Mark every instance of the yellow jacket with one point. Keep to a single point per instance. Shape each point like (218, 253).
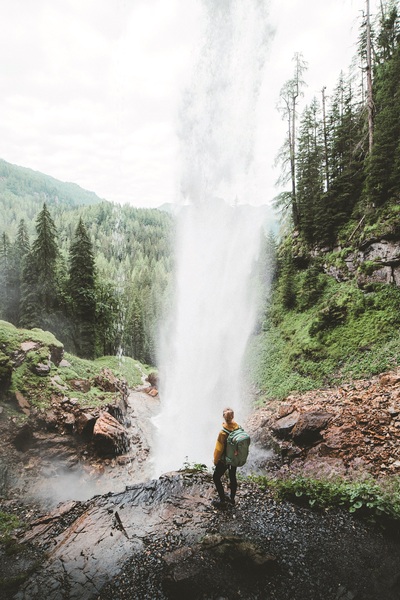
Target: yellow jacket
(221, 441)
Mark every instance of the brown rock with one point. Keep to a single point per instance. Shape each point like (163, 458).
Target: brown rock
(283, 426)
(64, 363)
(285, 409)
(23, 403)
(80, 385)
(24, 438)
(107, 381)
(110, 437)
(85, 422)
(42, 369)
(309, 425)
(51, 420)
(56, 354)
(69, 420)
(152, 378)
(28, 346)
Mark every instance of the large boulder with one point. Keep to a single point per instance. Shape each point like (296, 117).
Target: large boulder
(309, 426)
(282, 427)
(110, 436)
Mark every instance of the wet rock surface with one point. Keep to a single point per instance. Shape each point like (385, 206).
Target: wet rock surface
(164, 540)
(110, 436)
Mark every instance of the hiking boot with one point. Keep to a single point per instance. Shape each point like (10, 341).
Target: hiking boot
(230, 500)
(219, 504)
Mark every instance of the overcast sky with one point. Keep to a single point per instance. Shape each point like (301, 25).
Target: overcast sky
(91, 89)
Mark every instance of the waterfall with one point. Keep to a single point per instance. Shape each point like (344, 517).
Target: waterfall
(217, 241)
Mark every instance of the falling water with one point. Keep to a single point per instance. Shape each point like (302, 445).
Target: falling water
(203, 344)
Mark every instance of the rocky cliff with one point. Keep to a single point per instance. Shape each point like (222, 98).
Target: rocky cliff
(374, 261)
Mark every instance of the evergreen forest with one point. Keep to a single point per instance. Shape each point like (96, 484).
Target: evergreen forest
(93, 273)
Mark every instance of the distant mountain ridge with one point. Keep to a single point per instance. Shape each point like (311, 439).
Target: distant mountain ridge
(21, 180)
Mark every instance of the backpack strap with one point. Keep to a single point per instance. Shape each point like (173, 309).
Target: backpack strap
(228, 431)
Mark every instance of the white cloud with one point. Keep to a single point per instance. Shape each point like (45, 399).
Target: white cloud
(90, 91)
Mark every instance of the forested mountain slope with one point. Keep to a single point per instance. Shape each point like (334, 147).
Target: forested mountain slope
(93, 273)
(23, 191)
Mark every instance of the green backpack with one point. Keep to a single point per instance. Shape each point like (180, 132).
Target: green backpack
(237, 447)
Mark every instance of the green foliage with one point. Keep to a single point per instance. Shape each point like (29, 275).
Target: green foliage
(367, 498)
(7, 524)
(102, 286)
(82, 291)
(23, 192)
(124, 367)
(39, 390)
(384, 163)
(194, 467)
(344, 333)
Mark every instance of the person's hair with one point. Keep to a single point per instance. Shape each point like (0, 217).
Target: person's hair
(228, 414)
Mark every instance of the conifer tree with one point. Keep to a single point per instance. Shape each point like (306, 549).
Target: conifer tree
(30, 309)
(289, 98)
(5, 249)
(310, 172)
(348, 149)
(19, 252)
(383, 172)
(82, 283)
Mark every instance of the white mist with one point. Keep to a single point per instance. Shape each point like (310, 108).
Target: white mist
(203, 344)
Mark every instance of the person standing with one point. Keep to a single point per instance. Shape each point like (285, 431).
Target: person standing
(220, 463)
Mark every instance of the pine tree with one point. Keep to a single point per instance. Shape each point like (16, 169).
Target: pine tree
(20, 250)
(310, 172)
(348, 149)
(107, 317)
(289, 98)
(5, 249)
(30, 308)
(82, 286)
(383, 170)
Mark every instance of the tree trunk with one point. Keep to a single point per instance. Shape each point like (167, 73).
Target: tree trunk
(370, 101)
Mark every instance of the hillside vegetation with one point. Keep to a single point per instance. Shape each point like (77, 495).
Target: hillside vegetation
(23, 191)
(34, 369)
(94, 273)
(334, 311)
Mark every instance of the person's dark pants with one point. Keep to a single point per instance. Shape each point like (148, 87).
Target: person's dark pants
(218, 472)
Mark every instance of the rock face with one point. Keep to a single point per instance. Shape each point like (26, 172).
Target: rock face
(163, 540)
(351, 427)
(110, 437)
(382, 257)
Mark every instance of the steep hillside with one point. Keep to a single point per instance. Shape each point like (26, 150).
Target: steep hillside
(23, 191)
(332, 332)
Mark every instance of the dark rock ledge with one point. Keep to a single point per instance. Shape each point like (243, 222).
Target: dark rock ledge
(163, 540)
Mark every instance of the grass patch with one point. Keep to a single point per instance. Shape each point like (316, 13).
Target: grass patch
(347, 334)
(21, 376)
(129, 369)
(12, 337)
(7, 524)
